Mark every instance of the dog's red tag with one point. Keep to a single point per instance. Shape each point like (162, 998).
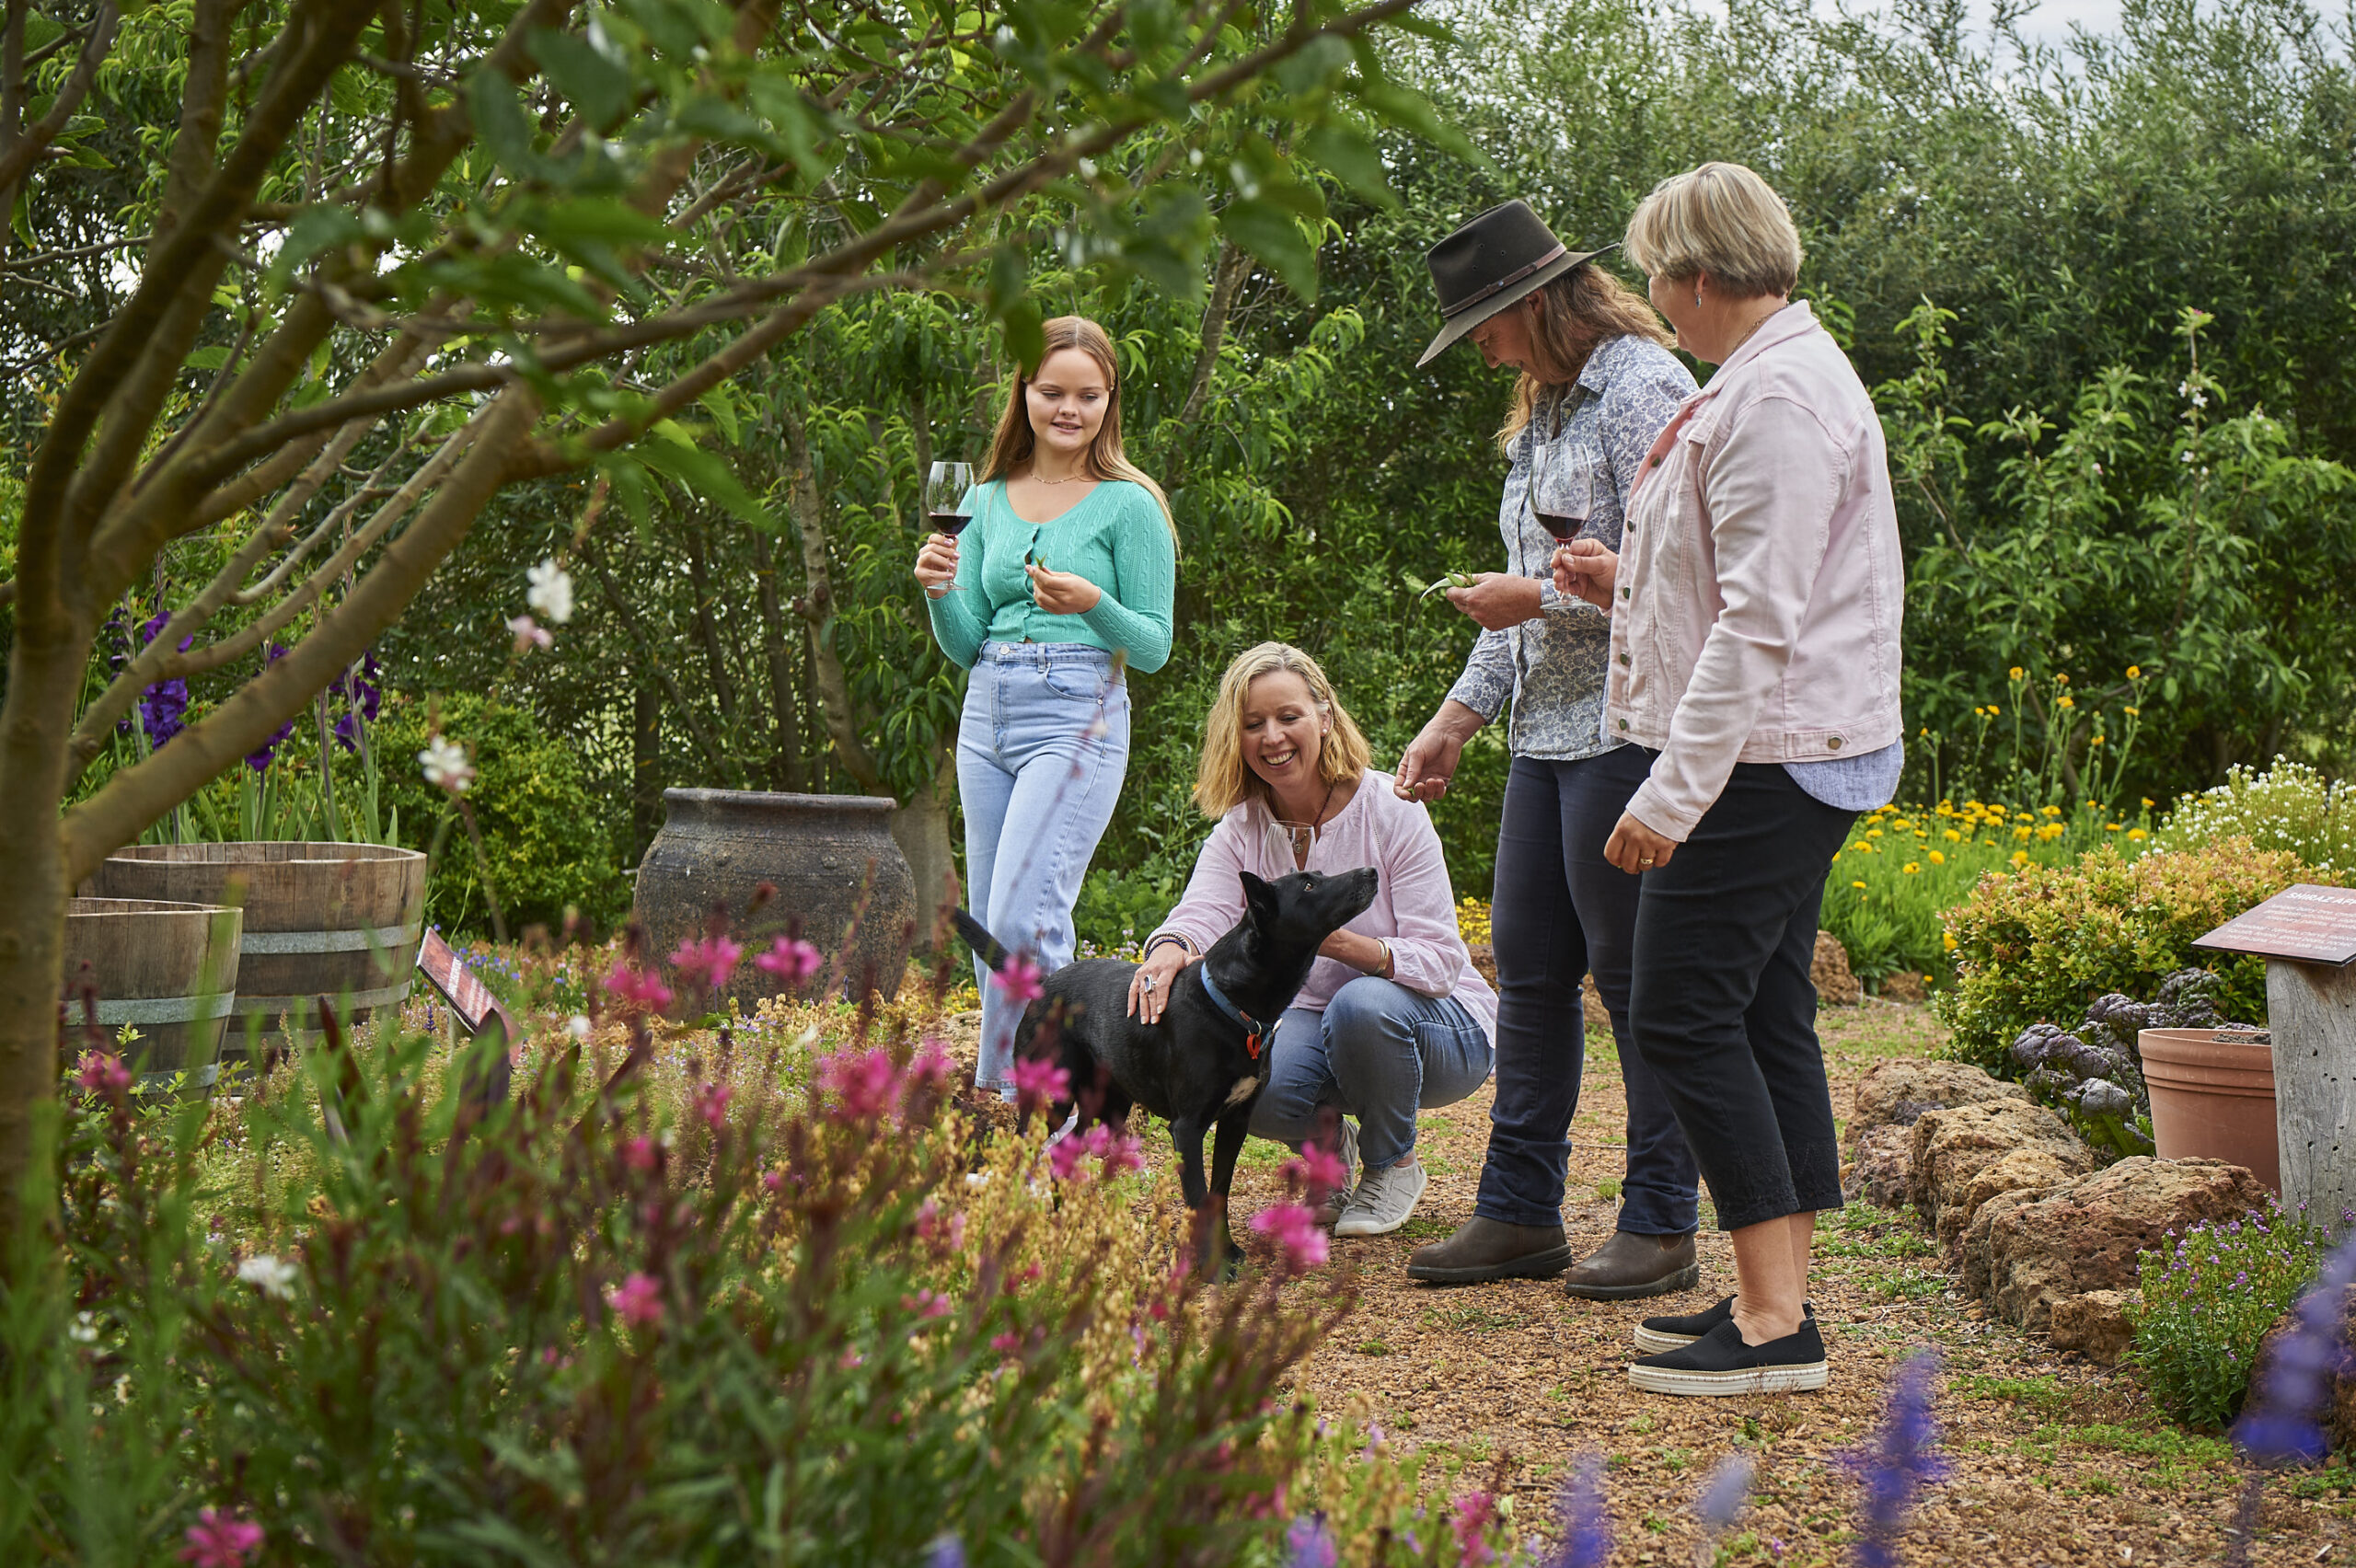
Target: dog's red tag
(1251, 1044)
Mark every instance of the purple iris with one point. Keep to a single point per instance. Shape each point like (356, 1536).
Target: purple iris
(362, 697)
(261, 759)
(163, 707)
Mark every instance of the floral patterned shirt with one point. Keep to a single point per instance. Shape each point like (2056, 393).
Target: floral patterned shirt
(1551, 667)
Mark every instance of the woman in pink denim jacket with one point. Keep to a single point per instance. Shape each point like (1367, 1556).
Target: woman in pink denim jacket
(1756, 601)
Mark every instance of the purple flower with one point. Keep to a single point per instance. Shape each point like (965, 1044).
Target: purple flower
(261, 759)
(1721, 1504)
(1307, 1544)
(1899, 1462)
(1586, 1521)
(2280, 1424)
(946, 1552)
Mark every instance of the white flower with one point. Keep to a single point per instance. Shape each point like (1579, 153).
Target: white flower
(270, 1275)
(577, 1026)
(446, 765)
(528, 633)
(1088, 168)
(84, 1329)
(552, 591)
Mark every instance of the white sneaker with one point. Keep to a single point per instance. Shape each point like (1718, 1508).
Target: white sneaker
(1382, 1201)
(1330, 1207)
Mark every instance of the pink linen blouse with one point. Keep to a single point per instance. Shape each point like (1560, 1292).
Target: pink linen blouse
(1414, 907)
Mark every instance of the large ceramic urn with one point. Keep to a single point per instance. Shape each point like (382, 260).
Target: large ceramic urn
(840, 880)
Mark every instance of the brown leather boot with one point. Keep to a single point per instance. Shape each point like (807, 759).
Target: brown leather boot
(1488, 1249)
(1630, 1265)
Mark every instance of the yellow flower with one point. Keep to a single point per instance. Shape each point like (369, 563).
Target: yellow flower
(2112, 826)
(2147, 803)
(2059, 678)
(1858, 885)
(2051, 811)
(1937, 858)
(2023, 831)
(2016, 673)
(1994, 710)
(2049, 832)
(2134, 672)
(2137, 833)
(2065, 701)
(1910, 867)
(1952, 836)
(1903, 825)
(1873, 832)
(2094, 739)
(1980, 713)
(2132, 712)
(2020, 857)
(1946, 940)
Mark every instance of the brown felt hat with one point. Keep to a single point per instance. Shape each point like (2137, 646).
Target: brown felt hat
(1498, 259)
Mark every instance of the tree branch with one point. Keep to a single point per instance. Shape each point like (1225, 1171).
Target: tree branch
(26, 150)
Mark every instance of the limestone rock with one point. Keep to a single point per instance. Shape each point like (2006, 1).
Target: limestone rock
(2096, 1324)
(2024, 1253)
(1953, 1147)
(2038, 1170)
(1879, 1161)
(1896, 1092)
(1835, 985)
(1906, 986)
(1485, 960)
(1599, 1020)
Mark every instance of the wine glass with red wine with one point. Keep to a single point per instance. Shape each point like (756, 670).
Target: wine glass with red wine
(1569, 499)
(945, 503)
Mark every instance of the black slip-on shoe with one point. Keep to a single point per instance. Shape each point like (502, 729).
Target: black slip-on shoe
(1719, 1362)
(1657, 1334)
(1487, 1248)
(1632, 1264)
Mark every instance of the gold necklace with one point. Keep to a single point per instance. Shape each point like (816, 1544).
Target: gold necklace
(1037, 479)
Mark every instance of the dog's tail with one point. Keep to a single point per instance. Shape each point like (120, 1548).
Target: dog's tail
(978, 937)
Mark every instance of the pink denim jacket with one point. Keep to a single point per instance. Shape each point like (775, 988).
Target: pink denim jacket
(1759, 589)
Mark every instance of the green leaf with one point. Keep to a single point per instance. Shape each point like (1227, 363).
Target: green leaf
(500, 123)
(1273, 235)
(1353, 159)
(704, 474)
(314, 229)
(211, 356)
(722, 410)
(596, 85)
(627, 477)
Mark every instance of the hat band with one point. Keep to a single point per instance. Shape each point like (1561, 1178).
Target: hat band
(1469, 301)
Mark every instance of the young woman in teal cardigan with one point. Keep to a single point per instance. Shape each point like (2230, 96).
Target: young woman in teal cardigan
(1064, 583)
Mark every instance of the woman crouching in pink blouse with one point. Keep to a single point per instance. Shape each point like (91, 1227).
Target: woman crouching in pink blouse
(1393, 1018)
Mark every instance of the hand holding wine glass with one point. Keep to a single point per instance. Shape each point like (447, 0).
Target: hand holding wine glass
(1585, 569)
(947, 511)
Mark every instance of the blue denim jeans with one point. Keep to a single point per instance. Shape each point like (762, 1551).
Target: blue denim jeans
(1378, 1052)
(1561, 911)
(1041, 748)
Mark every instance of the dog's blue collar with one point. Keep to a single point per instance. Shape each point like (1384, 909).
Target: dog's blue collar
(1252, 1030)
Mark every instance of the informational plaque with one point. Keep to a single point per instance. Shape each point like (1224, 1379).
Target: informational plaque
(467, 997)
(2305, 924)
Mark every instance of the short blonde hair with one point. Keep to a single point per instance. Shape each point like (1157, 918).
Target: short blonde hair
(1225, 780)
(1720, 219)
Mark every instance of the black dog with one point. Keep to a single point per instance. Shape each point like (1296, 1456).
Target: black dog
(1204, 1061)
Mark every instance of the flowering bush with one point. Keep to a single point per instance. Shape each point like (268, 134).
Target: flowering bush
(2210, 1296)
(2290, 806)
(2037, 943)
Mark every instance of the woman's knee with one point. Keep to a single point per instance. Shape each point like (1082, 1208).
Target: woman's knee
(1366, 1014)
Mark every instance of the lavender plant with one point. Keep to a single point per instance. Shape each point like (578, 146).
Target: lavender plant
(2210, 1296)
(1899, 1462)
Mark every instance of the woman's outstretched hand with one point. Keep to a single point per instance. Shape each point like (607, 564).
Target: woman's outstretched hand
(1062, 593)
(1635, 849)
(936, 564)
(1584, 569)
(1150, 986)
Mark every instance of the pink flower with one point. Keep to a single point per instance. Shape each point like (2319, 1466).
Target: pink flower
(1321, 1168)
(1121, 1152)
(1038, 1081)
(102, 1072)
(926, 1303)
(848, 1359)
(217, 1540)
(638, 1300)
(529, 634)
(946, 1235)
(862, 1082)
(1293, 1227)
(710, 961)
(712, 1104)
(637, 989)
(639, 1154)
(1064, 1156)
(1473, 1512)
(1019, 978)
(932, 1068)
(1006, 1344)
(791, 960)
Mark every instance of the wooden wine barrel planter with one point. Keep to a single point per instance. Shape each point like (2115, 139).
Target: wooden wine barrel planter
(167, 970)
(336, 920)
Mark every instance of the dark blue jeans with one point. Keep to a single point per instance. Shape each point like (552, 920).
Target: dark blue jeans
(1558, 911)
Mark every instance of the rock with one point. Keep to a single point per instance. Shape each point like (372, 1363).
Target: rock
(1880, 1160)
(1485, 960)
(1906, 986)
(1896, 1092)
(2025, 1252)
(1953, 1147)
(1829, 969)
(1599, 1021)
(2096, 1324)
(2038, 1170)
(2338, 1414)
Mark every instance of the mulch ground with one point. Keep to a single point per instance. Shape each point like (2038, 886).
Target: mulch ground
(2052, 1460)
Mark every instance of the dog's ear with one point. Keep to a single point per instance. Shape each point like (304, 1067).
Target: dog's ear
(1259, 903)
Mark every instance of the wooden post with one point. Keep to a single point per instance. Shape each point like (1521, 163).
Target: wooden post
(2311, 1008)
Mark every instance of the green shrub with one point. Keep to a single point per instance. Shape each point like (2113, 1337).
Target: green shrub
(544, 835)
(2290, 806)
(1117, 910)
(2208, 1298)
(2034, 944)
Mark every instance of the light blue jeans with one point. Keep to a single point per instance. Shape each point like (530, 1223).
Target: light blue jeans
(1378, 1052)
(1042, 749)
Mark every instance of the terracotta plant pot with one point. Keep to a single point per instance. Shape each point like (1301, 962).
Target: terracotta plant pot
(826, 856)
(167, 970)
(336, 920)
(2212, 1099)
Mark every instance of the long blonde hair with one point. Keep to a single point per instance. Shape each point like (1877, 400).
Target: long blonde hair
(1584, 307)
(1015, 441)
(1225, 780)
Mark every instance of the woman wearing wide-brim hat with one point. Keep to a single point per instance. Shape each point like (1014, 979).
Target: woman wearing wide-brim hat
(1597, 382)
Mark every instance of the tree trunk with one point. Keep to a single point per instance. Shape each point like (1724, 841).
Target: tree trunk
(1234, 265)
(645, 771)
(921, 828)
(785, 769)
(44, 678)
(832, 687)
(723, 688)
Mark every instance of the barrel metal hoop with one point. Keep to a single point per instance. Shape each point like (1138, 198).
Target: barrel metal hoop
(156, 1009)
(271, 1006)
(255, 943)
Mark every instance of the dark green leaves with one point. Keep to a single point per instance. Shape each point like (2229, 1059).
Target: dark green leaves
(597, 86)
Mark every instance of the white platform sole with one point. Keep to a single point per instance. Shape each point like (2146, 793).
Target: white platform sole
(1751, 1380)
(1652, 1341)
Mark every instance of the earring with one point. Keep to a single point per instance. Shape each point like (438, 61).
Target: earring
(1697, 296)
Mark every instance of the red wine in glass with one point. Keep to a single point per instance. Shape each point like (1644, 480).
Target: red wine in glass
(949, 523)
(947, 490)
(1564, 525)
